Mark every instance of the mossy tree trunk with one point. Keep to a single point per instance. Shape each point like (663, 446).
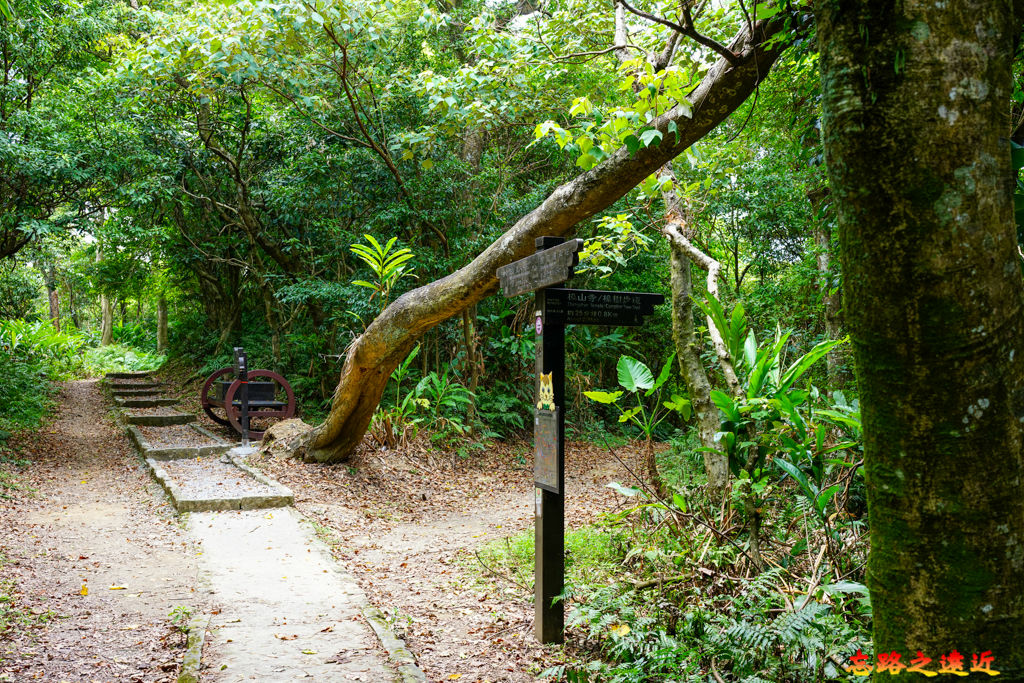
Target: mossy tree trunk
(377, 352)
(916, 99)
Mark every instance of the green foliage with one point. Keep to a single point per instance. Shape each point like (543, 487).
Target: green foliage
(181, 616)
(32, 355)
(21, 290)
(387, 264)
(117, 358)
(637, 379)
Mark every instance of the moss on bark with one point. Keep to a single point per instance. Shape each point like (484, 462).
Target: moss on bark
(916, 139)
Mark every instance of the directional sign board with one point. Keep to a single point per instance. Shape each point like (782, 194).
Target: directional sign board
(547, 472)
(596, 307)
(551, 266)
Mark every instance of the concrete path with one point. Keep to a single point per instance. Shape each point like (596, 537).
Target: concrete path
(286, 612)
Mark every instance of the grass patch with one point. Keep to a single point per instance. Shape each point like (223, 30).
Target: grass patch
(592, 555)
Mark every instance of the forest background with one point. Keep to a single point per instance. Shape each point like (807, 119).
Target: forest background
(183, 177)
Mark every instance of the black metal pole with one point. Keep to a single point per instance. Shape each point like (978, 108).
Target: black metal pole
(549, 530)
(243, 376)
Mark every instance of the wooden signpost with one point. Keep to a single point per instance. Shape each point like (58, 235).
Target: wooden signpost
(555, 308)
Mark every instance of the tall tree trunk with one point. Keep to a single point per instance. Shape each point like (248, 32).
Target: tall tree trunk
(916, 131)
(377, 352)
(687, 345)
(72, 307)
(52, 296)
(836, 358)
(106, 312)
(474, 359)
(106, 321)
(686, 340)
(161, 324)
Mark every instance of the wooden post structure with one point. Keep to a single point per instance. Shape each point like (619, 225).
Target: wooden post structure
(554, 309)
(549, 471)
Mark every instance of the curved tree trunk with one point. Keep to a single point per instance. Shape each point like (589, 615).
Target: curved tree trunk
(377, 352)
(916, 101)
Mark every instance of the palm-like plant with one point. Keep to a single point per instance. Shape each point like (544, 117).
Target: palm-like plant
(388, 265)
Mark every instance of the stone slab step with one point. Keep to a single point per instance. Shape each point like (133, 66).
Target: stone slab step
(127, 375)
(198, 443)
(175, 418)
(210, 483)
(144, 402)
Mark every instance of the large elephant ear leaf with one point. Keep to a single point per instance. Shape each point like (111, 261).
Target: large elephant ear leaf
(634, 375)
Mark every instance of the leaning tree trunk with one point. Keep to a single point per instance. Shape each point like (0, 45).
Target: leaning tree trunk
(377, 352)
(106, 312)
(916, 97)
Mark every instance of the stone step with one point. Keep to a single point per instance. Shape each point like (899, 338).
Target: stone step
(177, 442)
(212, 483)
(127, 375)
(144, 402)
(158, 420)
(128, 393)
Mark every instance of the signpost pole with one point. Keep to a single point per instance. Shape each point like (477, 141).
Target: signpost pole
(549, 529)
(542, 272)
(242, 364)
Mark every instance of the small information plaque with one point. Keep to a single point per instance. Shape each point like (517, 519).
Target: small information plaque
(546, 467)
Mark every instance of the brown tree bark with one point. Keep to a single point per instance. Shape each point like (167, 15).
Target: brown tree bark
(106, 312)
(377, 352)
(836, 359)
(161, 324)
(916, 128)
(52, 296)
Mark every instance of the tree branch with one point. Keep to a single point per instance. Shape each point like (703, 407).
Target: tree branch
(688, 30)
(673, 230)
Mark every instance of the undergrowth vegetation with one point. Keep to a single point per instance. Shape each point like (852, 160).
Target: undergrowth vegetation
(665, 591)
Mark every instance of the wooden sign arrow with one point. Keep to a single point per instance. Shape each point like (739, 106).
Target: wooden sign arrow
(551, 266)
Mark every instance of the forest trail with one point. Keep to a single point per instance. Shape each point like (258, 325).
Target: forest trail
(95, 524)
(100, 556)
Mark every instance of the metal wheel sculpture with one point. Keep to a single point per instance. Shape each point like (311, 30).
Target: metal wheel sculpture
(263, 403)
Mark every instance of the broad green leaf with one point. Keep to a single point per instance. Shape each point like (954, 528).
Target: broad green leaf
(629, 414)
(822, 500)
(804, 363)
(649, 136)
(801, 479)
(634, 375)
(663, 376)
(603, 396)
(725, 404)
(627, 491)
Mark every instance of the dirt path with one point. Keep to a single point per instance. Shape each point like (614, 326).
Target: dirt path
(408, 527)
(97, 521)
